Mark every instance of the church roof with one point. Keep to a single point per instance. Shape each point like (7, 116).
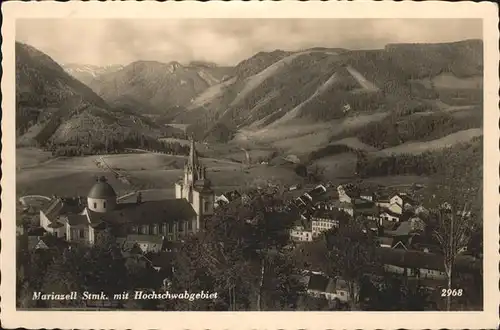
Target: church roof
(77, 219)
(167, 210)
(59, 206)
(102, 190)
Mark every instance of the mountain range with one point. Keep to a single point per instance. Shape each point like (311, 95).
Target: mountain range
(158, 86)
(297, 102)
(53, 106)
(87, 72)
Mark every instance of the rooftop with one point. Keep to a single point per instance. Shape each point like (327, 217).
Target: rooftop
(317, 282)
(334, 214)
(59, 206)
(102, 190)
(167, 210)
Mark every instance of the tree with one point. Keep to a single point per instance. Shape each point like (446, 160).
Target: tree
(301, 170)
(65, 275)
(352, 254)
(239, 255)
(315, 173)
(453, 236)
(455, 198)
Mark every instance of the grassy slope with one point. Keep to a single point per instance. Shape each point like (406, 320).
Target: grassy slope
(70, 176)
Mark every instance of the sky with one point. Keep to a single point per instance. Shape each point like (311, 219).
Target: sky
(224, 41)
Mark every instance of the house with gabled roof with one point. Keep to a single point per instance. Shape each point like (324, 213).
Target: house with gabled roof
(401, 201)
(315, 194)
(347, 193)
(320, 285)
(389, 215)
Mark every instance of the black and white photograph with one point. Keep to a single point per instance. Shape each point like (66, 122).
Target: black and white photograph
(250, 164)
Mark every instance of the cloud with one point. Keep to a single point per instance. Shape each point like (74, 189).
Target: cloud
(224, 41)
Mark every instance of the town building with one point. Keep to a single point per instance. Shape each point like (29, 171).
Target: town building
(347, 193)
(227, 198)
(326, 218)
(301, 230)
(144, 222)
(400, 202)
(413, 264)
(322, 286)
(389, 215)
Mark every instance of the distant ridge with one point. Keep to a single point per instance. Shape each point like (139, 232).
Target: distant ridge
(51, 105)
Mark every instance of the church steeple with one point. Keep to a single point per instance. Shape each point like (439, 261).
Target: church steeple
(195, 187)
(193, 157)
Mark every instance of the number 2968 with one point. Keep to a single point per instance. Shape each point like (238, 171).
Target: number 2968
(451, 292)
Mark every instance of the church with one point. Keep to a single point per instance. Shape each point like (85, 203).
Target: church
(147, 224)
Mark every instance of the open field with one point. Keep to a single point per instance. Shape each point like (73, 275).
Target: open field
(144, 161)
(75, 176)
(222, 177)
(69, 182)
(256, 156)
(297, 145)
(28, 157)
(158, 161)
(448, 80)
(354, 143)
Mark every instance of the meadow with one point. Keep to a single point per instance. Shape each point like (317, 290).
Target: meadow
(71, 176)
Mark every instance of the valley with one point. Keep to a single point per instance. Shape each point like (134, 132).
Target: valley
(259, 120)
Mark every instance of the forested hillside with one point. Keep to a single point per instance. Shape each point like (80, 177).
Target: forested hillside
(269, 90)
(53, 107)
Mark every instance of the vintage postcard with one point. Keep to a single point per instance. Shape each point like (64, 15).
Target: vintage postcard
(267, 165)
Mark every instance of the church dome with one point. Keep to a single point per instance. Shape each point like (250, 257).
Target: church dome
(102, 190)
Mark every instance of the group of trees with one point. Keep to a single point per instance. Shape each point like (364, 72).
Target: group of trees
(80, 268)
(351, 254)
(313, 173)
(240, 254)
(426, 163)
(90, 145)
(330, 150)
(456, 201)
(394, 131)
(397, 164)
